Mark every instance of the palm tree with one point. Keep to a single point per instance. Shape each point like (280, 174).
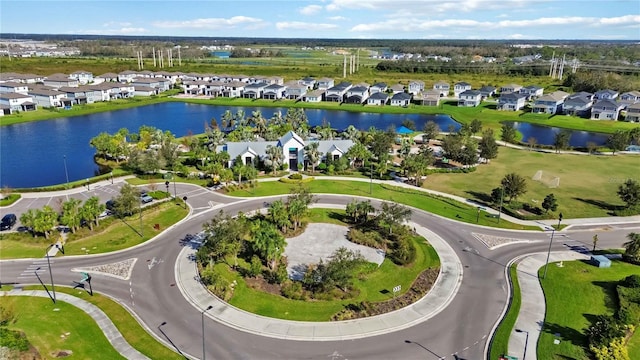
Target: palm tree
(312, 154)
(275, 156)
(259, 122)
(91, 210)
(228, 121)
(71, 214)
(351, 133)
(28, 220)
(632, 247)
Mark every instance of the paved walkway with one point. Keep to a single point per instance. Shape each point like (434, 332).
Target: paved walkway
(440, 295)
(104, 323)
(532, 309)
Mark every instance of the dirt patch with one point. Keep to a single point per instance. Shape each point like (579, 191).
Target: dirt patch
(259, 283)
(418, 289)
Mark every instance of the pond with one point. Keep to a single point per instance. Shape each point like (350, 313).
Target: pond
(545, 135)
(33, 154)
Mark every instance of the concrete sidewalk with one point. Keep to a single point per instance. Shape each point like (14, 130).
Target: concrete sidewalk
(102, 320)
(532, 309)
(440, 295)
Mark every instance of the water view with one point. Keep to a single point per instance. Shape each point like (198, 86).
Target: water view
(545, 135)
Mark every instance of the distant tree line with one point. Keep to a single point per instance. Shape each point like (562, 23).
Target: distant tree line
(462, 67)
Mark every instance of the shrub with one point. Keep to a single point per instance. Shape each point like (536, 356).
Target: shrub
(369, 238)
(255, 268)
(403, 251)
(321, 167)
(293, 290)
(295, 177)
(216, 283)
(615, 350)
(632, 281)
(13, 340)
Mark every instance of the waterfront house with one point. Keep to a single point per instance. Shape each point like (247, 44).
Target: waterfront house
(274, 92)
(442, 87)
(338, 92)
(233, 89)
(460, 87)
(77, 95)
(415, 87)
(294, 90)
(550, 103)
(401, 99)
(378, 87)
(469, 98)
(314, 96)
(15, 87)
(17, 102)
(141, 90)
(633, 112)
(511, 101)
(379, 98)
(430, 98)
(606, 110)
(357, 95)
(254, 90)
(325, 83)
(578, 104)
(214, 88)
(532, 91)
(160, 84)
(193, 87)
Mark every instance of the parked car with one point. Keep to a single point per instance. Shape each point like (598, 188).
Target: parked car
(145, 198)
(110, 205)
(8, 221)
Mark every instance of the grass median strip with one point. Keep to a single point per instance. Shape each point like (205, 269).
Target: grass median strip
(500, 341)
(441, 206)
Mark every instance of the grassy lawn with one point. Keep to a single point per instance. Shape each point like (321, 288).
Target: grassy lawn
(416, 198)
(128, 326)
(370, 288)
(500, 341)
(115, 235)
(54, 327)
(588, 184)
(9, 199)
(574, 294)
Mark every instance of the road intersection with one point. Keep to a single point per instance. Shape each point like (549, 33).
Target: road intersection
(151, 289)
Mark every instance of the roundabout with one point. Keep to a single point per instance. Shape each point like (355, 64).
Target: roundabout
(163, 292)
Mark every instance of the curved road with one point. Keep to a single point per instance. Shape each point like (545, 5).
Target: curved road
(460, 331)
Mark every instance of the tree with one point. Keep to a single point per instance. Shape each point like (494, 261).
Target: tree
(431, 131)
(605, 329)
(632, 247)
(71, 216)
(508, 132)
(275, 157)
(591, 147)
(532, 141)
(514, 185)
(312, 154)
(358, 153)
(127, 201)
(101, 143)
(45, 219)
(298, 205)
(91, 210)
(351, 133)
(629, 193)
(634, 135)
(549, 203)
(475, 126)
(277, 214)
(393, 214)
(561, 140)
(452, 145)
(28, 219)
(268, 242)
(488, 145)
(618, 141)
(497, 195)
(383, 164)
(381, 143)
(469, 155)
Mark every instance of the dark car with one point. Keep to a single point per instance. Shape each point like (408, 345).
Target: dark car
(8, 221)
(110, 205)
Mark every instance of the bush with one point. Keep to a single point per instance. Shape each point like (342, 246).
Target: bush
(216, 283)
(13, 340)
(322, 166)
(293, 290)
(369, 238)
(279, 275)
(287, 180)
(632, 281)
(403, 251)
(615, 350)
(295, 177)
(255, 268)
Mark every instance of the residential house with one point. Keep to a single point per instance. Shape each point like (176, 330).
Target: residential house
(127, 76)
(510, 88)
(415, 87)
(511, 101)
(308, 82)
(274, 92)
(100, 91)
(254, 90)
(338, 92)
(487, 92)
(150, 74)
(106, 77)
(630, 97)
(606, 110)
(193, 87)
(401, 99)
(233, 89)
(378, 87)
(83, 77)
(633, 112)
(172, 77)
(357, 95)
(442, 87)
(292, 147)
(397, 88)
(50, 98)
(378, 98)
(314, 96)
(125, 91)
(214, 88)
(15, 87)
(17, 102)
(606, 94)
(550, 103)
(532, 91)
(431, 98)
(294, 90)
(141, 90)
(469, 98)
(159, 84)
(578, 104)
(325, 83)
(460, 87)
(21, 78)
(76, 94)
(59, 80)
(275, 80)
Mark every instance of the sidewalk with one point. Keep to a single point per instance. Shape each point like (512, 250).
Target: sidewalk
(440, 295)
(532, 309)
(102, 320)
(76, 190)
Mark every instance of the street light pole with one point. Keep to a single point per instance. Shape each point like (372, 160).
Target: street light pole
(501, 199)
(112, 178)
(175, 193)
(526, 342)
(204, 356)
(371, 182)
(553, 231)
(66, 173)
(53, 289)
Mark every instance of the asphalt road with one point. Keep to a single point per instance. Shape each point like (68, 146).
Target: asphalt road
(460, 331)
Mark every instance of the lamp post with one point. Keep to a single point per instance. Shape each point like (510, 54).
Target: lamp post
(88, 184)
(166, 183)
(553, 231)
(526, 341)
(501, 200)
(371, 182)
(66, 173)
(53, 289)
(175, 193)
(112, 178)
(203, 343)
(184, 198)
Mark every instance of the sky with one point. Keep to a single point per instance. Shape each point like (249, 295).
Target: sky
(364, 19)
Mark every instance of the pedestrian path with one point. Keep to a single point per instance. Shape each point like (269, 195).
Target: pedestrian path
(532, 308)
(102, 320)
(440, 295)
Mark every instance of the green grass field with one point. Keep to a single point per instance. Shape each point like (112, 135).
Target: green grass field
(500, 341)
(385, 277)
(588, 184)
(441, 206)
(51, 328)
(574, 294)
(116, 235)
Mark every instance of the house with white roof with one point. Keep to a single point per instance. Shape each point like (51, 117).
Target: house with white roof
(442, 87)
(83, 77)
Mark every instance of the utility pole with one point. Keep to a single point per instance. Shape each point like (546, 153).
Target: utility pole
(179, 58)
(344, 68)
(553, 59)
(153, 50)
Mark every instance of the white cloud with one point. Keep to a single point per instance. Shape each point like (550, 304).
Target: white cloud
(502, 16)
(518, 36)
(337, 18)
(428, 6)
(299, 25)
(115, 23)
(310, 9)
(214, 23)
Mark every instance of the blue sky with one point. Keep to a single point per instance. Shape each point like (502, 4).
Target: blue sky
(375, 19)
